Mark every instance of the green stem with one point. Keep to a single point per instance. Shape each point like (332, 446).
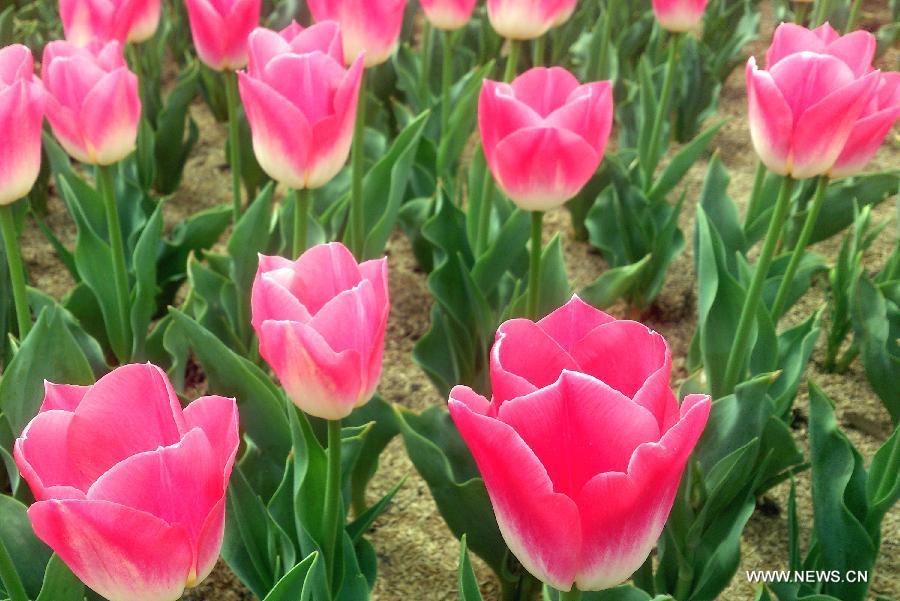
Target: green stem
(755, 195)
(735, 365)
(662, 109)
(534, 266)
(800, 248)
(427, 46)
(854, 14)
(357, 237)
(117, 246)
(10, 578)
(512, 60)
(446, 80)
(572, 595)
(600, 72)
(301, 219)
(800, 13)
(231, 93)
(537, 51)
(823, 8)
(844, 362)
(332, 514)
(16, 271)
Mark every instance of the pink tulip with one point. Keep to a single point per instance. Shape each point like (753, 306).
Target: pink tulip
(527, 19)
(544, 134)
(679, 15)
(130, 489)
(448, 15)
(92, 100)
(803, 109)
(220, 29)
(583, 444)
(105, 20)
(856, 49)
(320, 322)
(21, 114)
(872, 127)
(300, 102)
(370, 28)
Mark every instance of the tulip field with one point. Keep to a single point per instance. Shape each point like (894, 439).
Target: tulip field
(513, 300)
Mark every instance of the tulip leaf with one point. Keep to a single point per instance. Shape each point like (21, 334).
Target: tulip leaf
(143, 301)
(883, 485)
(838, 207)
(384, 186)
(89, 346)
(463, 114)
(613, 284)
(443, 460)
(681, 162)
(252, 235)
(49, 352)
(172, 143)
(468, 584)
(625, 592)
(296, 585)
(60, 584)
(876, 323)
(384, 427)
(29, 555)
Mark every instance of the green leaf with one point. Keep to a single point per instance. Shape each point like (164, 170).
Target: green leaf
(143, 301)
(837, 208)
(60, 584)
(876, 322)
(681, 162)
(883, 484)
(252, 235)
(29, 555)
(361, 524)
(613, 284)
(380, 415)
(464, 111)
(293, 586)
(468, 584)
(173, 143)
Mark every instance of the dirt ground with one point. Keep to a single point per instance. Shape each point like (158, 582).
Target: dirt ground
(417, 554)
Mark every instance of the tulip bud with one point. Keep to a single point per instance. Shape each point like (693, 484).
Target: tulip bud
(544, 134)
(872, 127)
(220, 29)
(130, 489)
(679, 15)
(300, 102)
(582, 446)
(21, 114)
(321, 321)
(92, 100)
(528, 19)
(804, 105)
(370, 28)
(448, 15)
(106, 20)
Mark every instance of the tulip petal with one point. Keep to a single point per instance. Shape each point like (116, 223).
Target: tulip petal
(579, 427)
(333, 135)
(525, 358)
(281, 134)
(65, 397)
(121, 553)
(323, 37)
(308, 81)
(856, 49)
(771, 120)
(623, 514)
(271, 297)
(21, 117)
(130, 410)
(208, 30)
(866, 138)
(544, 89)
(540, 168)
(110, 116)
(540, 526)
(805, 78)
(588, 112)
(321, 273)
(500, 114)
(571, 322)
(210, 542)
(262, 46)
(217, 416)
(16, 63)
(790, 38)
(42, 456)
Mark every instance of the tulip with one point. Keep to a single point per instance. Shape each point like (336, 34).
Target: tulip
(220, 29)
(582, 445)
(106, 20)
(679, 15)
(320, 322)
(802, 110)
(872, 127)
(130, 490)
(370, 28)
(527, 19)
(544, 134)
(21, 113)
(856, 49)
(92, 100)
(448, 15)
(301, 103)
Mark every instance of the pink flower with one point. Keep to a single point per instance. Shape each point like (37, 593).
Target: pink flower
(583, 444)
(872, 127)
(448, 15)
(220, 29)
(856, 49)
(544, 134)
(106, 20)
(679, 15)
(370, 28)
(130, 489)
(92, 100)
(803, 109)
(21, 114)
(300, 102)
(321, 322)
(528, 19)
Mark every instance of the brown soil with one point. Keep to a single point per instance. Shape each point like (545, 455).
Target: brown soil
(417, 553)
